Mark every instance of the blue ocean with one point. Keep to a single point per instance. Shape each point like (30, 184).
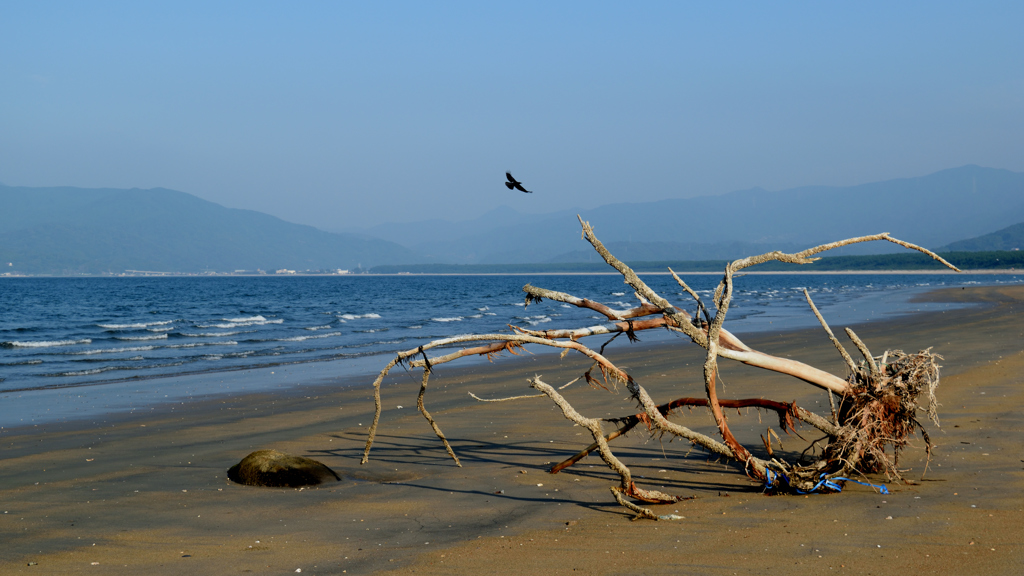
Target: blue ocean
(79, 335)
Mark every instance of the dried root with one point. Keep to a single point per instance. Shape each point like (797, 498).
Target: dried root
(882, 411)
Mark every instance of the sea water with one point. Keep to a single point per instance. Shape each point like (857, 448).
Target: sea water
(88, 341)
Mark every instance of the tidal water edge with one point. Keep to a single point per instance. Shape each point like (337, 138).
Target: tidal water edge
(76, 347)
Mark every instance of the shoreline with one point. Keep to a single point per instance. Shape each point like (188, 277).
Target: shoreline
(94, 399)
(149, 489)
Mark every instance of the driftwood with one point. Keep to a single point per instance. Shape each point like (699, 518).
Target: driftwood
(877, 406)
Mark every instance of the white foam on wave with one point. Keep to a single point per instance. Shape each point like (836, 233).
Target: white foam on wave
(483, 309)
(241, 324)
(164, 329)
(475, 316)
(324, 327)
(88, 372)
(141, 338)
(135, 325)
(214, 334)
(534, 320)
(198, 344)
(358, 316)
(312, 337)
(618, 293)
(47, 343)
(246, 319)
(416, 327)
(448, 319)
(109, 368)
(114, 350)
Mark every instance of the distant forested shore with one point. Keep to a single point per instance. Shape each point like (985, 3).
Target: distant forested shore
(910, 262)
(996, 260)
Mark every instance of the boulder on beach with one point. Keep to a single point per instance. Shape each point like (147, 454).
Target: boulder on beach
(277, 469)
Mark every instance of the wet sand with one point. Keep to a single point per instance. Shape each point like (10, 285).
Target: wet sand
(148, 494)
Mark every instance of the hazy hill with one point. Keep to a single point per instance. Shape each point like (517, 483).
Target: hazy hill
(1009, 238)
(75, 230)
(674, 251)
(932, 210)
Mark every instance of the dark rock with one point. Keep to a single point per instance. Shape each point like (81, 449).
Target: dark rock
(277, 469)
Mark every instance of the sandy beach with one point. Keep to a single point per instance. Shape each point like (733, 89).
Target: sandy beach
(148, 494)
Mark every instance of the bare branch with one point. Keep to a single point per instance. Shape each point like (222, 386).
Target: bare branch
(437, 430)
(594, 425)
(864, 352)
(804, 257)
(835, 342)
(696, 297)
(534, 294)
(479, 399)
(785, 412)
(577, 333)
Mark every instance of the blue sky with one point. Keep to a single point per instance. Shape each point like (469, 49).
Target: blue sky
(343, 115)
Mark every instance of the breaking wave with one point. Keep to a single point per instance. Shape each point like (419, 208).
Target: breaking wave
(198, 344)
(242, 323)
(113, 350)
(358, 316)
(214, 334)
(143, 338)
(45, 343)
(135, 326)
(302, 338)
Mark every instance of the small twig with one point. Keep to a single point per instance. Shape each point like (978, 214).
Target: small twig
(864, 352)
(696, 297)
(835, 341)
(832, 405)
(479, 399)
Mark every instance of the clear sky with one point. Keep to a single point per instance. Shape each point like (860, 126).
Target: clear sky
(350, 114)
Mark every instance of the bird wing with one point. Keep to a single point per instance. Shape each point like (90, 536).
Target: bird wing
(510, 178)
(509, 185)
(519, 186)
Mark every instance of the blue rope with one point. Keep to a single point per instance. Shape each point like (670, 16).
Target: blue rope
(829, 483)
(880, 487)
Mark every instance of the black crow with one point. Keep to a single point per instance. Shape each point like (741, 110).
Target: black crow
(514, 184)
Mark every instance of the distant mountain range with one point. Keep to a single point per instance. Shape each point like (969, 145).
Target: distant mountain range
(933, 211)
(92, 231)
(1009, 238)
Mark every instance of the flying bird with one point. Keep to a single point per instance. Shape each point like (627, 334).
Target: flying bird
(514, 184)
